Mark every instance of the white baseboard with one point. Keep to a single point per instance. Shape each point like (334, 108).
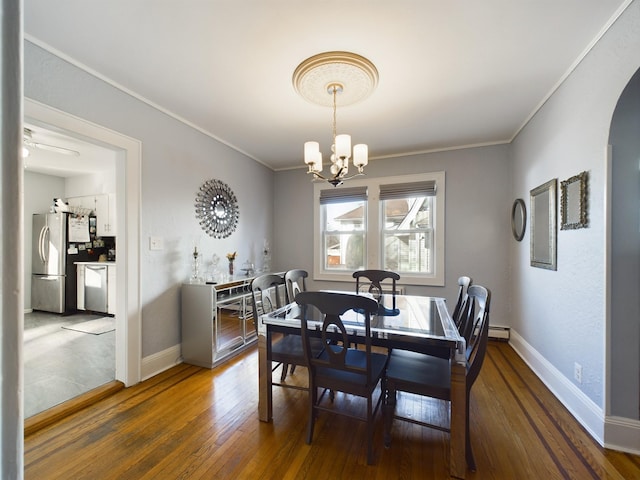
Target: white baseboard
(161, 361)
(615, 433)
(622, 434)
(588, 414)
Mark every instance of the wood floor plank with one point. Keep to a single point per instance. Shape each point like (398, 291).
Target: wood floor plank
(195, 423)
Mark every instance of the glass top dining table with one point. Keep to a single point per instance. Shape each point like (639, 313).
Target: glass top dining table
(408, 322)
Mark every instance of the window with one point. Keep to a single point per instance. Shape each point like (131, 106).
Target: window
(344, 225)
(384, 223)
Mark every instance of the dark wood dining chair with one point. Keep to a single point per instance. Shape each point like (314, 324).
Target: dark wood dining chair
(295, 281)
(430, 376)
(268, 294)
(374, 283)
(463, 285)
(340, 368)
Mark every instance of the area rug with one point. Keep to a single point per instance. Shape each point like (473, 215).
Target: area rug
(97, 326)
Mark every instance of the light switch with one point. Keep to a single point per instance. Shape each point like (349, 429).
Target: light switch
(156, 243)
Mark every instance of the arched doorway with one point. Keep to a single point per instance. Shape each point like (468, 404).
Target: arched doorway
(624, 331)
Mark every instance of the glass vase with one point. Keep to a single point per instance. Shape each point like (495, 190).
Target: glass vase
(231, 268)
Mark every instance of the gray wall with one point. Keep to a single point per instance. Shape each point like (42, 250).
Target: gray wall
(562, 314)
(176, 160)
(478, 224)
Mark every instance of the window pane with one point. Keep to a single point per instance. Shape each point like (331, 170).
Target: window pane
(408, 235)
(344, 227)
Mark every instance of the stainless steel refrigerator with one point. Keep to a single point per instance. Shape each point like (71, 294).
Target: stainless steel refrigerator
(49, 262)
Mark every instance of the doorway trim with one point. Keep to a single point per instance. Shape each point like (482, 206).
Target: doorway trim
(128, 177)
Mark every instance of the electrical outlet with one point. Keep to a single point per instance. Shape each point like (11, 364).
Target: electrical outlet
(156, 243)
(577, 372)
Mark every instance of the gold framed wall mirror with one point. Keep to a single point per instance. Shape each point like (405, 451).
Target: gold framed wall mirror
(574, 202)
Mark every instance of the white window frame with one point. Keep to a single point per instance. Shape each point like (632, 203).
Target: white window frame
(374, 234)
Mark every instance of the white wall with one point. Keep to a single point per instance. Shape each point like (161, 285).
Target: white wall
(478, 222)
(92, 184)
(176, 160)
(560, 315)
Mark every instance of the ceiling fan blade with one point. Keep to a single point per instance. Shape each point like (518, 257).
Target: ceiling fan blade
(43, 146)
(53, 148)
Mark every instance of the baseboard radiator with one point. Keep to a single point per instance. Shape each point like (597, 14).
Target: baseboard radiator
(399, 291)
(498, 332)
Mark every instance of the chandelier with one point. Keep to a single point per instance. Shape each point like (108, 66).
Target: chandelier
(322, 79)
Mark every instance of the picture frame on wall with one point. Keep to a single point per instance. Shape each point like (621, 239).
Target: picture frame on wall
(543, 207)
(574, 199)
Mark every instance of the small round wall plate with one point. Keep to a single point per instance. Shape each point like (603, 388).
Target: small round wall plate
(217, 209)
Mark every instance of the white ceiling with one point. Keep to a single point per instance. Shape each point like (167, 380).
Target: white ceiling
(452, 73)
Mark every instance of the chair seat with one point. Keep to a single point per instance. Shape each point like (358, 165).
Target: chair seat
(352, 382)
(433, 351)
(419, 373)
(289, 349)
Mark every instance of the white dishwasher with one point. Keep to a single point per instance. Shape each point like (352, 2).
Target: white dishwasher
(95, 288)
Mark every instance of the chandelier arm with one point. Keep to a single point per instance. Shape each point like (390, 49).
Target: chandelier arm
(352, 176)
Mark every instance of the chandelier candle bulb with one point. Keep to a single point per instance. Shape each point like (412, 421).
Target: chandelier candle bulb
(360, 155)
(317, 166)
(343, 146)
(311, 150)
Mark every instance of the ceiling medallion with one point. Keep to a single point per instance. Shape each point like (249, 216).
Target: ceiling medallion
(357, 76)
(217, 209)
(331, 79)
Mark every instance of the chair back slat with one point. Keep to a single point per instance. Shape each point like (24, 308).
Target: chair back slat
(463, 285)
(376, 279)
(295, 281)
(267, 294)
(478, 330)
(335, 345)
(333, 331)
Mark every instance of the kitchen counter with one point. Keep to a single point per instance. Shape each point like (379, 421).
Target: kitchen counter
(95, 263)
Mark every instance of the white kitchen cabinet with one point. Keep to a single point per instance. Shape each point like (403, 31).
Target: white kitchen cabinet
(103, 207)
(106, 215)
(111, 289)
(88, 202)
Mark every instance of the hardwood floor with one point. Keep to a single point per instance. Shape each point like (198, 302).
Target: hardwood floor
(194, 423)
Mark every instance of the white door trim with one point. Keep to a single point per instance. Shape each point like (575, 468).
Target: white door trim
(128, 178)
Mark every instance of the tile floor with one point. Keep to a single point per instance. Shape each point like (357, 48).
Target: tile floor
(61, 364)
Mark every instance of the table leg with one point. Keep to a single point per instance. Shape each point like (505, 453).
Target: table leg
(265, 403)
(457, 445)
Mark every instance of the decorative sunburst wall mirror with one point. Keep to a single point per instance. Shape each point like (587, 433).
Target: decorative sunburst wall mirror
(217, 209)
